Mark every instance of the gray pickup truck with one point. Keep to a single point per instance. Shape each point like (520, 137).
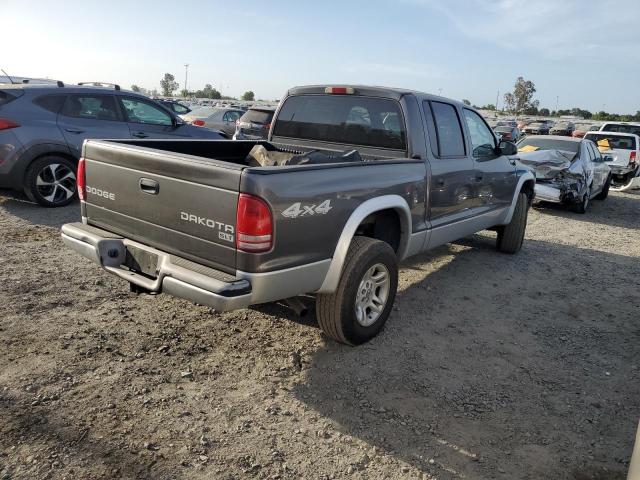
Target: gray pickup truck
(389, 173)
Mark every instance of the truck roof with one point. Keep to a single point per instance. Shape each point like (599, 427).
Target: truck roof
(371, 91)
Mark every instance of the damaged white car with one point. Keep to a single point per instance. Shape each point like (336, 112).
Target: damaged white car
(570, 171)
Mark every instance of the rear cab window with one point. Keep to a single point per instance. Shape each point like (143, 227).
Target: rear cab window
(349, 119)
(612, 141)
(621, 128)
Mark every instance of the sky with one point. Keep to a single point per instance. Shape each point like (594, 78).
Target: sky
(579, 53)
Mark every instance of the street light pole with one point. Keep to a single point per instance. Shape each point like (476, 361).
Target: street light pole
(557, 98)
(186, 70)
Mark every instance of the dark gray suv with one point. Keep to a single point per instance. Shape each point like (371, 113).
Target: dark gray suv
(42, 128)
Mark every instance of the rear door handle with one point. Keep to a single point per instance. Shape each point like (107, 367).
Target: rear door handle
(73, 130)
(148, 186)
(140, 135)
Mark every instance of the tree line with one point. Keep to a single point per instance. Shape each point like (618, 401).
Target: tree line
(520, 102)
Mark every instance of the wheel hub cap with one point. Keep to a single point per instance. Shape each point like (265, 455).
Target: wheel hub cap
(372, 294)
(56, 183)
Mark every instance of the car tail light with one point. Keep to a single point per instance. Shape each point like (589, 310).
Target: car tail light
(254, 225)
(81, 180)
(266, 126)
(237, 122)
(632, 157)
(339, 90)
(6, 124)
(198, 123)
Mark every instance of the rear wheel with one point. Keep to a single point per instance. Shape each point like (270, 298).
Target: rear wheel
(511, 236)
(360, 306)
(51, 181)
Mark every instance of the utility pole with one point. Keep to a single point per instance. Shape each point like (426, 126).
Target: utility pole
(497, 98)
(186, 70)
(439, 92)
(557, 98)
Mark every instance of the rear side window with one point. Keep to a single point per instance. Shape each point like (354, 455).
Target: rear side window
(53, 103)
(91, 107)
(180, 109)
(448, 130)
(366, 121)
(6, 97)
(257, 116)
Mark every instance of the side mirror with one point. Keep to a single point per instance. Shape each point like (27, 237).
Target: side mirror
(507, 148)
(177, 122)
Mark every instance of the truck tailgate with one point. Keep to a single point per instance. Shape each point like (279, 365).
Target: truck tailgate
(177, 203)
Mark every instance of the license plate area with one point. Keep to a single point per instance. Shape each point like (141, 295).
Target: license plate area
(141, 261)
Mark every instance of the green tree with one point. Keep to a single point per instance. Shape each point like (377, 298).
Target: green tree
(184, 93)
(544, 112)
(521, 99)
(489, 106)
(248, 96)
(135, 88)
(168, 85)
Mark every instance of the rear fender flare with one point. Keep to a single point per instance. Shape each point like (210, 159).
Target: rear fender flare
(386, 202)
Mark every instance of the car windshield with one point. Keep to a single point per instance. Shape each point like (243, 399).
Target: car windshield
(349, 119)
(257, 116)
(533, 144)
(622, 128)
(611, 142)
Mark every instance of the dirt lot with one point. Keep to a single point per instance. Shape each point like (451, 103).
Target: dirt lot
(491, 366)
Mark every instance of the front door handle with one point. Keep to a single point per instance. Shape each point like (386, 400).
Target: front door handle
(148, 186)
(140, 135)
(479, 177)
(73, 130)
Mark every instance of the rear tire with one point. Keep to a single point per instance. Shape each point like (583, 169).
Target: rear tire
(511, 236)
(51, 181)
(369, 277)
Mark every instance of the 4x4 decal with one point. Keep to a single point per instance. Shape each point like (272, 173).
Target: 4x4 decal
(300, 210)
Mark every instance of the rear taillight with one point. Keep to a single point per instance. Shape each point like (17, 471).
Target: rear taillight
(81, 180)
(6, 124)
(632, 158)
(254, 225)
(266, 126)
(198, 123)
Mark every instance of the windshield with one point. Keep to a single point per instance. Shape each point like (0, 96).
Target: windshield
(622, 128)
(350, 119)
(609, 141)
(257, 116)
(532, 144)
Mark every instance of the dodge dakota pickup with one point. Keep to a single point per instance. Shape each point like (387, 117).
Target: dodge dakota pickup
(361, 178)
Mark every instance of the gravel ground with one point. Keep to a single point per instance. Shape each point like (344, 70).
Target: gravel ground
(491, 366)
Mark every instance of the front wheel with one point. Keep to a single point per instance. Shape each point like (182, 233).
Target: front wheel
(605, 190)
(511, 236)
(360, 306)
